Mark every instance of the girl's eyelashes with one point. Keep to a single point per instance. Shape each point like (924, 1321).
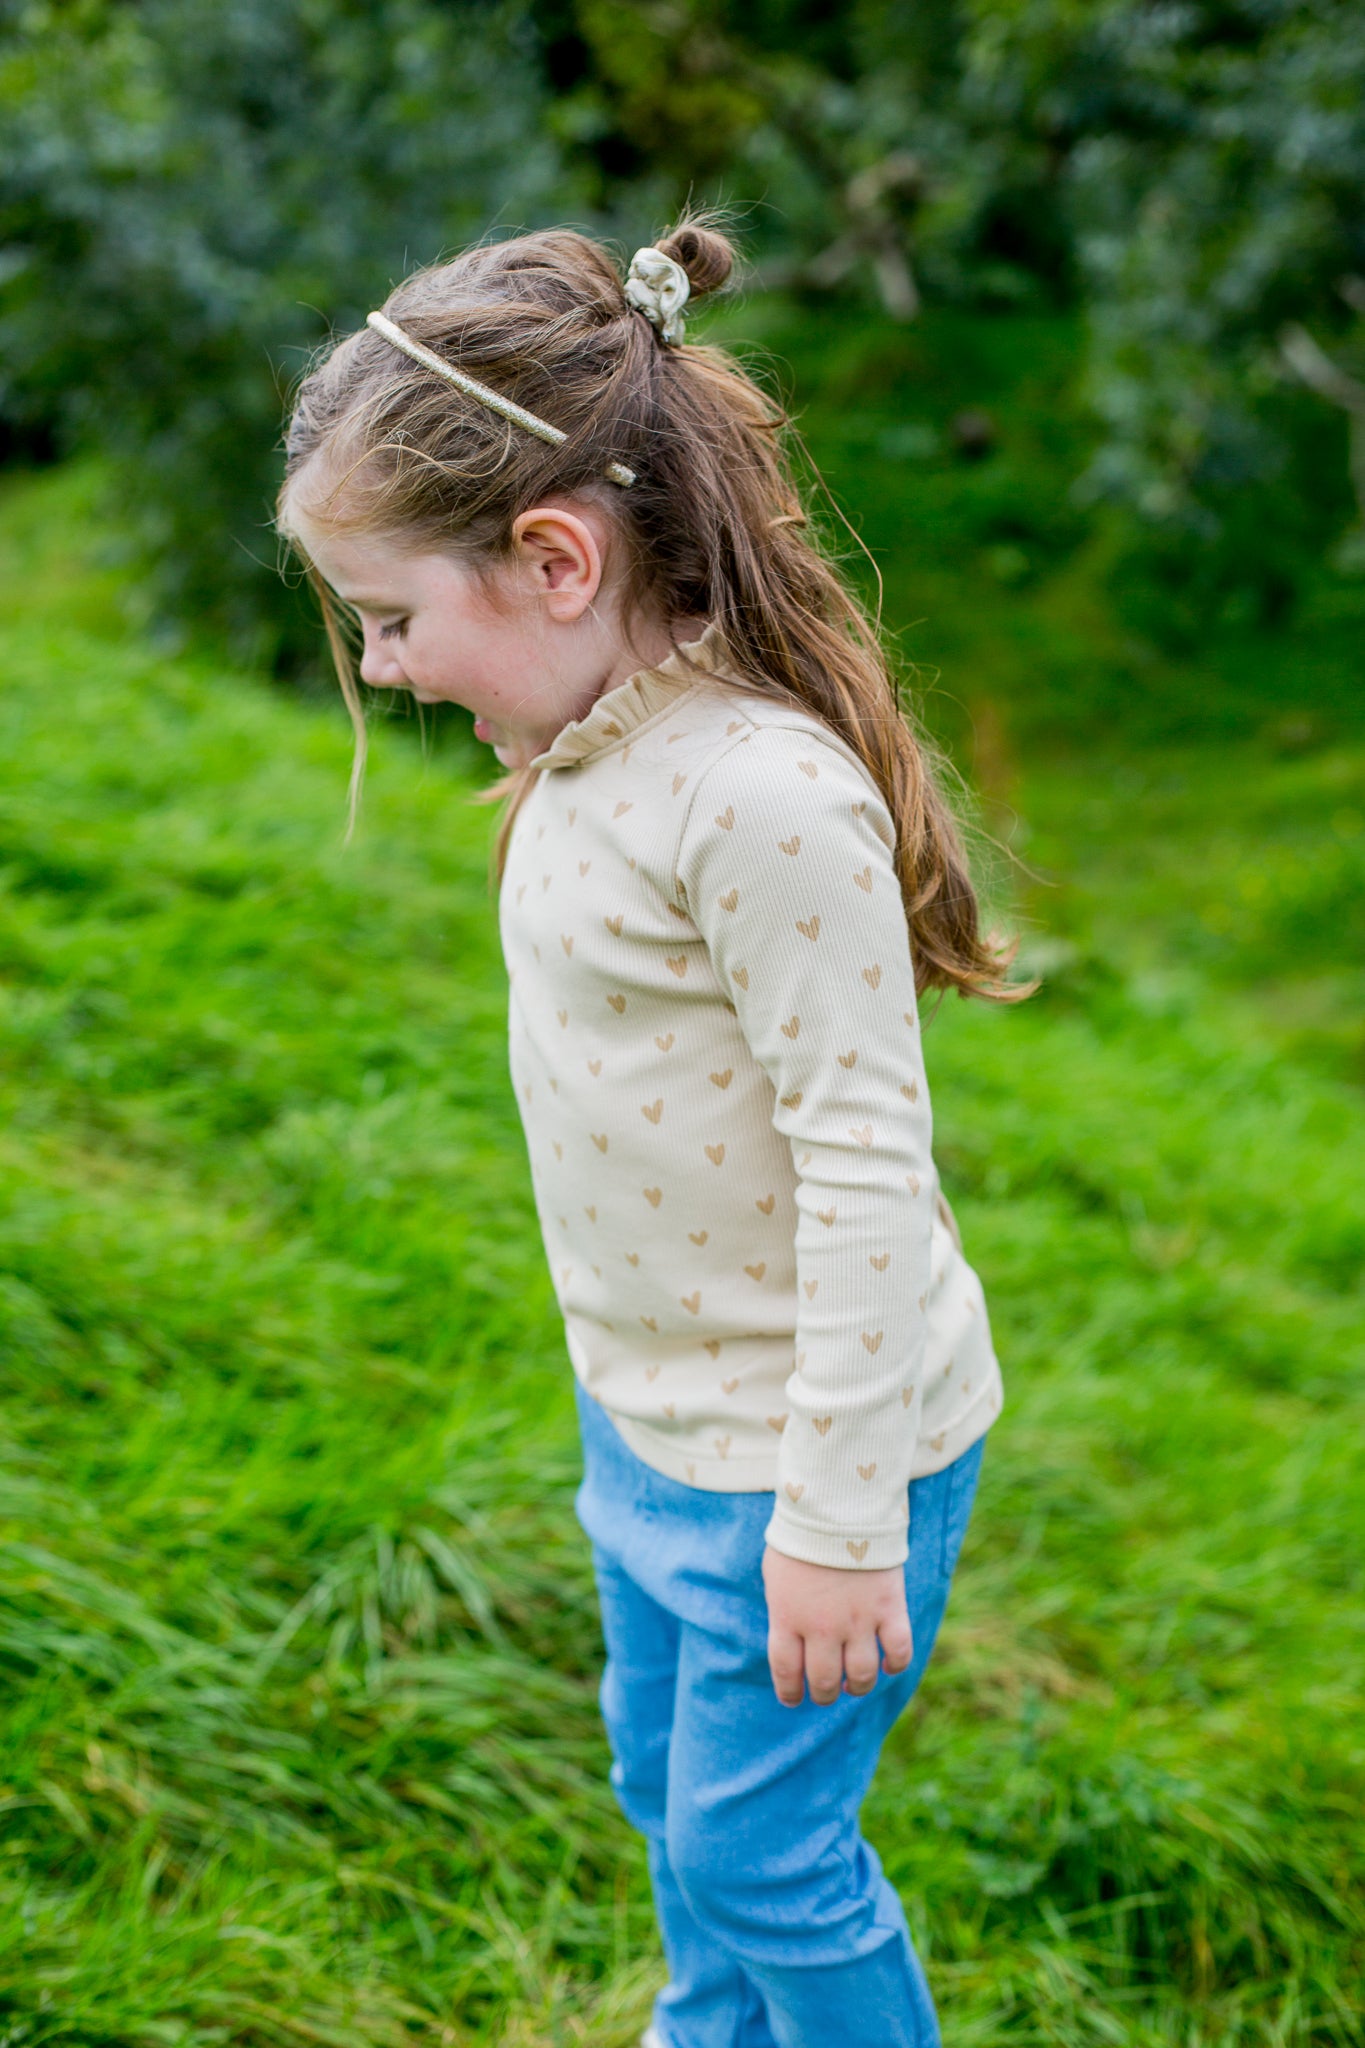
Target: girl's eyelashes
(395, 631)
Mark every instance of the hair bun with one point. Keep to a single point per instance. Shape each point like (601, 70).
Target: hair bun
(706, 256)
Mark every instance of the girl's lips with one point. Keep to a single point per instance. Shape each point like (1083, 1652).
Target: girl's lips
(482, 730)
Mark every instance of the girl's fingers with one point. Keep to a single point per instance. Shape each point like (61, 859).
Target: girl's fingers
(861, 1666)
(898, 1645)
(828, 1671)
(786, 1661)
(824, 1669)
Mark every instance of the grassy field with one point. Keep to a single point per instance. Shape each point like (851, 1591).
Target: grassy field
(297, 1631)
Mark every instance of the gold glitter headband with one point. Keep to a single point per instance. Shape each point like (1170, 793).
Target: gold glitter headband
(509, 409)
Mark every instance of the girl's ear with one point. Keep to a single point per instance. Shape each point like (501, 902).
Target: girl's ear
(562, 556)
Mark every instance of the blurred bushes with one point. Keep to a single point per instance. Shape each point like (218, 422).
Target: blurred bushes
(190, 199)
(1216, 183)
(191, 196)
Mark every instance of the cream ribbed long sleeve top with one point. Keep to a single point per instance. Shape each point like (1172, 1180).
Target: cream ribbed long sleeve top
(715, 1045)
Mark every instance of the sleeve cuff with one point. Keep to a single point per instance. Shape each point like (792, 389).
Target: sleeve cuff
(838, 1548)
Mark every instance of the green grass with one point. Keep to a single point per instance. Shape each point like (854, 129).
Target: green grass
(297, 1631)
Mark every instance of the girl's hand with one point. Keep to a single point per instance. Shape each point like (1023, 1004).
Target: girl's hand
(823, 1626)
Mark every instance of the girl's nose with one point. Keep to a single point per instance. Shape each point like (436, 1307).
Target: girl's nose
(379, 666)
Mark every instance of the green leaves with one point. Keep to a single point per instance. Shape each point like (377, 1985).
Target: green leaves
(192, 197)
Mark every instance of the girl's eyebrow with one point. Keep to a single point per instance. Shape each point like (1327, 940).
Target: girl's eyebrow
(370, 604)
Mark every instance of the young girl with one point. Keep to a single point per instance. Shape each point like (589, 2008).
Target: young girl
(727, 875)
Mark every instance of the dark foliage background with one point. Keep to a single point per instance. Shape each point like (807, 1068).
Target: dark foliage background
(191, 198)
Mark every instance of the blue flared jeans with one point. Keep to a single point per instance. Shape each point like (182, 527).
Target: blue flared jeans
(779, 1928)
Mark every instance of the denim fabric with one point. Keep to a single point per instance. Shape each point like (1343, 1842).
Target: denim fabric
(779, 1928)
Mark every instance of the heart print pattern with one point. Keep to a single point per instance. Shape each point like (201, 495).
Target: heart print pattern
(703, 931)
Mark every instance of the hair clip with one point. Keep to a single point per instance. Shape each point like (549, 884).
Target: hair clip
(616, 472)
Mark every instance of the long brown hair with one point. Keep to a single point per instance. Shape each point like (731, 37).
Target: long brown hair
(713, 527)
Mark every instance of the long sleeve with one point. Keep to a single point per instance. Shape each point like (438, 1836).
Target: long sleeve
(785, 866)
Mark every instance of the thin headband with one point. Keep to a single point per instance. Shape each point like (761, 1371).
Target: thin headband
(616, 472)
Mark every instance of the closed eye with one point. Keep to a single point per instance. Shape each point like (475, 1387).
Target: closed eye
(394, 631)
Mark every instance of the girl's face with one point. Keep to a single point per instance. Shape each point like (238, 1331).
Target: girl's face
(521, 644)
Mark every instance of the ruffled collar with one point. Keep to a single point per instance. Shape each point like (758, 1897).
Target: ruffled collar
(618, 712)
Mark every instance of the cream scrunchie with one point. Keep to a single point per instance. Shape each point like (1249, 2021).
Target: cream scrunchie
(658, 287)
